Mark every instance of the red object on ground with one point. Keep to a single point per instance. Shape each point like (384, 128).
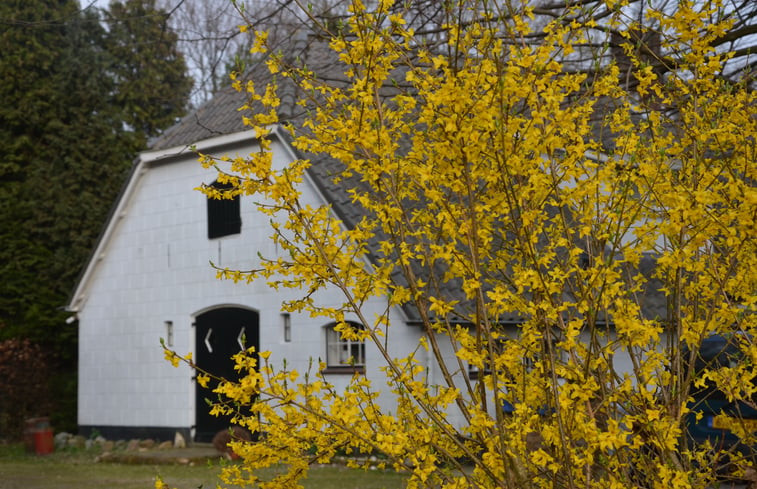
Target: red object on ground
(38, 436)
(43, 442)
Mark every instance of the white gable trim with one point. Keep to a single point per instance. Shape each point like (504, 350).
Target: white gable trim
(144, 161)
(118, 212)
(148, 159)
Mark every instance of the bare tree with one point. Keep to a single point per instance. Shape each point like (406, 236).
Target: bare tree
(213, 44)
(208, 36)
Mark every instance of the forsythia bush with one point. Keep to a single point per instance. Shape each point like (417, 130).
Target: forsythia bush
(502, 173)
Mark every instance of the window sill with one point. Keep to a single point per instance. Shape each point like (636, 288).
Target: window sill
(343, 370)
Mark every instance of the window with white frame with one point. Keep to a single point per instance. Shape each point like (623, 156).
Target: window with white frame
(475, 373)
(530, 361)
(541, 355)
(342, 353)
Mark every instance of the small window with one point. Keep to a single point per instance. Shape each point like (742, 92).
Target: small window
(474, 373)
(223, 214)
(169, 332)
(286, 321)
(343, 355)
(530, 362)
(540, 356)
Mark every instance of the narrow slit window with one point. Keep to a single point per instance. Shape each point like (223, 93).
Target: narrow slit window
(287, 323)
(169, 332)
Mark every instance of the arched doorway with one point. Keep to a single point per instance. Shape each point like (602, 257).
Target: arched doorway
(220, 333)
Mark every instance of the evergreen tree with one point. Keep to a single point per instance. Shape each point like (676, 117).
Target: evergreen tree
(149, 72)
(78, 102)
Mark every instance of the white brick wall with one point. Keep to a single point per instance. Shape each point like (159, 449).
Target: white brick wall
(155, 269)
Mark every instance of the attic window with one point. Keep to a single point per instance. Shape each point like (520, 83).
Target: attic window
(223, 214)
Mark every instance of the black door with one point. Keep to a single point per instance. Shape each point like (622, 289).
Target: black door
(220, 333)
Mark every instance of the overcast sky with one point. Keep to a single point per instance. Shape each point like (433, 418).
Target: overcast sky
(97, 3)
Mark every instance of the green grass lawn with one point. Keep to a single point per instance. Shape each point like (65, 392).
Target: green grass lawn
(77, 469)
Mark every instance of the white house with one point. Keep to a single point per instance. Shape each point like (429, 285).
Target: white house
(150, 277)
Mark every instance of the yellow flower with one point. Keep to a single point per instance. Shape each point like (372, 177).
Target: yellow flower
(171, 357)
(491, 197)
(203, 380)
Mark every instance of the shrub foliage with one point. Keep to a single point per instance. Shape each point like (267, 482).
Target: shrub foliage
(559, 171)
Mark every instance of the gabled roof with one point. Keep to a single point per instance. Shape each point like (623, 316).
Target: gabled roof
(220, 115)
(216, 117)
(218, 123)
(141, 164)
(215, 127)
